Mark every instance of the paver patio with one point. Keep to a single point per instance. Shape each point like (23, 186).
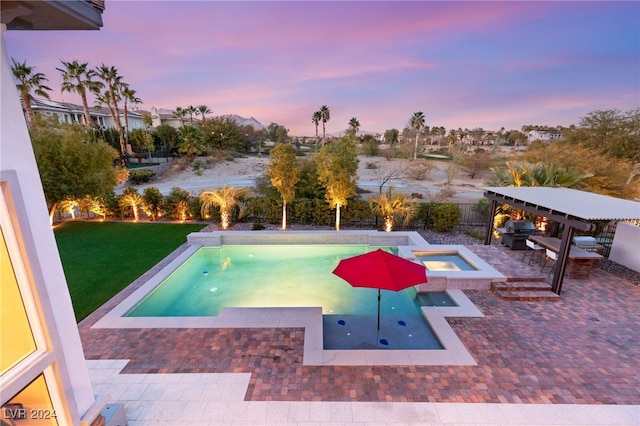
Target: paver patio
(582, 349)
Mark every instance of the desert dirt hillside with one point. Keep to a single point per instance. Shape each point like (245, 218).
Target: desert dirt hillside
(443, 182)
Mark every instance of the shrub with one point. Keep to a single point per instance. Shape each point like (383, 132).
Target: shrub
(198, 165)
(178, 204)
(152, 205)
(141, 176)
(257, 227)
(473, 233)
(419, 169)
(371, 165)
(441, 217)
(370, 148)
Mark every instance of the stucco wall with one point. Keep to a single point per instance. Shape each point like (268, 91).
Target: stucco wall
(19, 173)
(626, 246)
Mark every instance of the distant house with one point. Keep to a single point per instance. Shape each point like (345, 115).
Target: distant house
(101, 118)
(161, 117)
(543, 135)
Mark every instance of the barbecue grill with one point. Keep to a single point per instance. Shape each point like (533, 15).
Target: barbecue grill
(516, 232)
(587, 243)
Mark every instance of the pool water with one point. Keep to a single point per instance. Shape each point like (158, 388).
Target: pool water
(361, 332)
(269, 276)
(445, 262)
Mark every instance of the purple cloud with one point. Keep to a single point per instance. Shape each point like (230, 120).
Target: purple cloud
(464, 64)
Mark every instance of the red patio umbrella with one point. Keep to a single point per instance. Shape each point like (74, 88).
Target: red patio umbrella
(382, 270)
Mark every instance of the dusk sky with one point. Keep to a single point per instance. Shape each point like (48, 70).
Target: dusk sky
(463, 64)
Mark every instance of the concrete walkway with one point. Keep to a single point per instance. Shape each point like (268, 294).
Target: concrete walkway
(218, 399)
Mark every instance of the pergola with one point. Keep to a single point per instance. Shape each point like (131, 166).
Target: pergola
(570, 207)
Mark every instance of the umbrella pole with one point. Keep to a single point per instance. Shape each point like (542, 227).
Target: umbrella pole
(378, 309)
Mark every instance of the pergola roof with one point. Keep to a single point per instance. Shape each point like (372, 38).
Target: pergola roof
(569, 202)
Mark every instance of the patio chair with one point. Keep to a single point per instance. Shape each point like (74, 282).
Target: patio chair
(532, 249)
(550, 255)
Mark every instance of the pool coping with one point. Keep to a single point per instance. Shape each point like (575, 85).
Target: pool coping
(309, 318)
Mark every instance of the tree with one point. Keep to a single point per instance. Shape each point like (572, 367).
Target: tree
(190, 141)
(224, 132)
(226, 198)
(113, 84)
(616, 177)
(475, 163)
(284, 175)
(77, 78)
(316, 118)
(325, 115)
(128, 95)
(515, 137)
(190, 110)
(338, 173)
(70, 163)
(179, 112)
(613, 132)
(396, 207)
(142, 141)
(537, 174)
(29, 83)
(165, 136)
(391, 136)
(417, 123)
(354, 125)
(277, 133)
(203, 110)
(152, 202)
(131, 199)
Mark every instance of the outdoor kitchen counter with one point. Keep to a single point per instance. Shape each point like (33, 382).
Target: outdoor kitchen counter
(580, 262)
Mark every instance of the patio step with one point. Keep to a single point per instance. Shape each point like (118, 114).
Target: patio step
(524, 285)
(524, 291)
(533, 278)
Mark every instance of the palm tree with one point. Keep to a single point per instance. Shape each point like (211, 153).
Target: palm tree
(77, 77)
(325, 115)
(190, 141)
(315, 119)
(203, 110)
(113, 86)
(128, 95)
(398, 206)
(131, 198)
(226, 198)
(179, 112)
(28, 83)
(354, 125)
(191, 110)
(417, 123)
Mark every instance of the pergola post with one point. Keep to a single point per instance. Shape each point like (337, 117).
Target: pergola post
(489, 227)
(563, 258)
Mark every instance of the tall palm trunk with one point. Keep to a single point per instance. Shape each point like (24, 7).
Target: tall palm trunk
(26, 102)
(126, 119)
(115, 114)
(85, 108)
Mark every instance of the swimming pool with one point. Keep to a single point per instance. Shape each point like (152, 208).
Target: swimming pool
(311, 319)
(269, 276)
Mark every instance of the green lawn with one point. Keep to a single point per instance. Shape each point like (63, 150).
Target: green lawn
(102, 258)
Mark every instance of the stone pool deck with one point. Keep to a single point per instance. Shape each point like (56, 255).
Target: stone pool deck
(572, 361)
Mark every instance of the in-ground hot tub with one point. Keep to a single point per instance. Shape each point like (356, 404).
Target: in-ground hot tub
(453, 267)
